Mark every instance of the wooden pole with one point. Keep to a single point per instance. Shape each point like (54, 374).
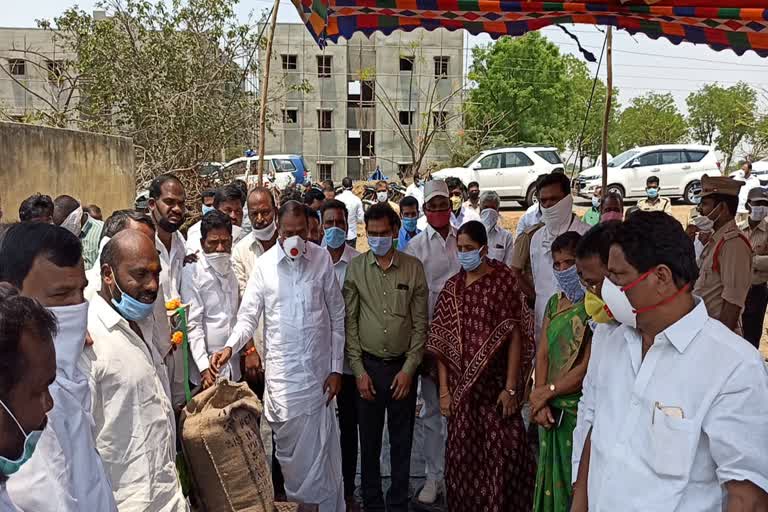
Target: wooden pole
(264, 89)
(608, 99)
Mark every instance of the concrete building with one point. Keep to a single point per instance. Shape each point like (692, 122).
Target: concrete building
(32, 78)
(345, 124)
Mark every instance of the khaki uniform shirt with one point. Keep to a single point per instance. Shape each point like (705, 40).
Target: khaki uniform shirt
(731, 283)
(521, 251)
(386, 310)
(663, 204)
(758, 237)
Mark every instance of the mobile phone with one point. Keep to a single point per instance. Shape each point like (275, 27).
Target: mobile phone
(557, 414)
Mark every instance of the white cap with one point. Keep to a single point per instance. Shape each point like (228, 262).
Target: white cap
(435, 188)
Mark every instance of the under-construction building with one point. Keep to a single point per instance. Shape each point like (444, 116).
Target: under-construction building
(367, 98)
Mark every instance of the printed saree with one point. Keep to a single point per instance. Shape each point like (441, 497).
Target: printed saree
(489, 464)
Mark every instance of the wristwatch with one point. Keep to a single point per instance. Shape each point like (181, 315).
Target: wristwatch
(552, 388)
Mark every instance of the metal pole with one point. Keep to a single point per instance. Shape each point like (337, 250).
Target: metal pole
(608, 98)
(264, 88)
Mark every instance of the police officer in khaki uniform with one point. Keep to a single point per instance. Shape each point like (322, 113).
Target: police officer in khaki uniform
(756, 229)
(725, 265)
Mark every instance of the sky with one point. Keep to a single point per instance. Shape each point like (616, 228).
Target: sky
(641, 64)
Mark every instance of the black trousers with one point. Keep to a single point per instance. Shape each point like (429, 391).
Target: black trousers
(346, 401)
(754, 313)
(401, 415)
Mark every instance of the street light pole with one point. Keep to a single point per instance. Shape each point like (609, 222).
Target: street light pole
(264, 89)
(608, 99)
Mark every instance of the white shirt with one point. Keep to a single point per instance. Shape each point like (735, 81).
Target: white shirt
(303, 328)
(601, 333)
(530, 218)
(171, 265)
(500, 243)
(749, 183)
(465, 215)
(355, 213)
(474, 209)
(439, 257)
(5, 501)
(645, 460)
(134, 427)
(416, 191)
(244, 256)
(194, 245)
(155, 327)
(65, 473)
(213, 301)
(544, 281)
(340, 269)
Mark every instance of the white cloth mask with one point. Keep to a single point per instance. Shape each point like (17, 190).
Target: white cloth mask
(74, 221)
(220, 262)
(70, 339)
(382, 197)
(559, 214)
(489, 217)
(266, 233)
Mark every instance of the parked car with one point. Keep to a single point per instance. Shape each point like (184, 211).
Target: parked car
(678, 166)
(760, 169)
(280, 170)
(511, 172)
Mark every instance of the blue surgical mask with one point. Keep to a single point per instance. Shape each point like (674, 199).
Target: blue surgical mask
(569, 282)
(207, 209)
(409, 223)
(652, 193)
(470, 260)
(335, 237)
(8, 466)
(380, 245)
(130, 308)
(595, 202)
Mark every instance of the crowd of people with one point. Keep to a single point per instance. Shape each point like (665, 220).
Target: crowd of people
(605, 362)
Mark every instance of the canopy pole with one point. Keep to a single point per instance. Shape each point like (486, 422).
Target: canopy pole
(264, 89)
(608, 100)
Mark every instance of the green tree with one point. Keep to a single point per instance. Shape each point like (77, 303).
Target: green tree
(651, 119)
(170, 75)
(523, 92)
(723, 116)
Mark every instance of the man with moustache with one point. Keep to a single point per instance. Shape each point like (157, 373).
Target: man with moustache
(166, 207)
(133, 418)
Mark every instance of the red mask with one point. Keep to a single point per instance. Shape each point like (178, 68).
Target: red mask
(439, 219)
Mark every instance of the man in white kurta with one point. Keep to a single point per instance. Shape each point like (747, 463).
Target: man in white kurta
(209, 287)
(303, 313)
(558, 217)
(65, 472)
(134, 424)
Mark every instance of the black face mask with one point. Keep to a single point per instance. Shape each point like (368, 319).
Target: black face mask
(474, 194)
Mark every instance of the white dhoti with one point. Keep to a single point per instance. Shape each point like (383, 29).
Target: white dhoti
(309, 452)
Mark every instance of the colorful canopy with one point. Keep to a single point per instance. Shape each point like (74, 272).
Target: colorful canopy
(737, 24)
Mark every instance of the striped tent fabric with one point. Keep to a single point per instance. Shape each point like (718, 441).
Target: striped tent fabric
(740, 25)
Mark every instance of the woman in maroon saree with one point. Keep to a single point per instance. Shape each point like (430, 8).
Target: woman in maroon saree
(484, 353)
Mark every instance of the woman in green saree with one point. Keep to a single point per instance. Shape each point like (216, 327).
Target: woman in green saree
(561, 363)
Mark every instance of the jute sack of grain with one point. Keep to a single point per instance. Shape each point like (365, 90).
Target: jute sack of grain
(224, 452)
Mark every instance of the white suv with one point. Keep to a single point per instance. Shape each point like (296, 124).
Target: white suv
(679, 168)
(511, 172)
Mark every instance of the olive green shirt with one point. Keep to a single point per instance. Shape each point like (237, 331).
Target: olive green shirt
(386, 310)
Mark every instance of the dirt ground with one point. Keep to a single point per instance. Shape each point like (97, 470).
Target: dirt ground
(511, 216)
